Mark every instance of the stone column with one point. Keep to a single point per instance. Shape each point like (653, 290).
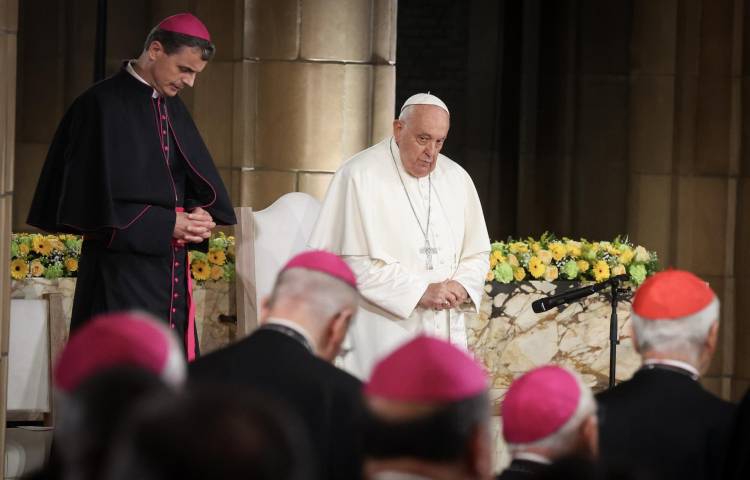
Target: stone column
(684, 151)
(8, 41)
(316, 84)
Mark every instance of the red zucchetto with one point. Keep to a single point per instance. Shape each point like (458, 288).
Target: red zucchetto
(670, 295)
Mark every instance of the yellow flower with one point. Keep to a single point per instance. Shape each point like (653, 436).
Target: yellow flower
(18, 269)
(536, 267)
(583, 265)
(57, 245)
(536, 246)
(551, 273)
(217, 273)
(519, 273)
(217, 257)
(573, 248)
(490, 276)
(513, 260)
(23, 249)
(618, 270)
(496, 257)
(601, 271)
(642, 255)
(37, 269)
(200, 270)
(626, 256)
(558, 250)
(42, 246)
(518, 247)
(612, 250)
(545, 256)
(71, 264)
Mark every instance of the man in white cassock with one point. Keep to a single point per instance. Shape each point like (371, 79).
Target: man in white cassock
(409, 223)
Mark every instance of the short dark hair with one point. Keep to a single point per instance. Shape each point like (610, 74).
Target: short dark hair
(173, 41)
(440, 436)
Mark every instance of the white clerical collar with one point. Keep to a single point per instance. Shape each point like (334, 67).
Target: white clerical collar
(674, 363)
(294, 326)
(532, 457)
(131, 70)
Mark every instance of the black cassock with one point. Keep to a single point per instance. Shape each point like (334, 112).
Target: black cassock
(122, 162)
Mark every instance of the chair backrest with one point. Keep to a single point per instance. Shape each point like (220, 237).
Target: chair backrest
(265, 241)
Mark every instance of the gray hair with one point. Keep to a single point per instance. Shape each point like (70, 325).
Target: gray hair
(321, 294)
(685, 335)
(561, 441)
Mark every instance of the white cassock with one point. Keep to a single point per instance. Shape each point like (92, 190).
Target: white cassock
(366, 218)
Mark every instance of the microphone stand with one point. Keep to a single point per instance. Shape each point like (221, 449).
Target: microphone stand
(613, 337)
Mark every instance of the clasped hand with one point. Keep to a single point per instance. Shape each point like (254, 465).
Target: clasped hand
(193, 227)
(443, 295)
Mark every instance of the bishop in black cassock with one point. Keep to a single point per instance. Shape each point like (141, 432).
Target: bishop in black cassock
(128, 169)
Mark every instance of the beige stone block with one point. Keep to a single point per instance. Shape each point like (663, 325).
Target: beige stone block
(9, 15)
(686, 91)
(650, 219)
(712, 128)
(40, 99)
(356, 114)
(230, 177)
(334, 30)
(316, 184)
(722, 362)
(272, 29)
(651, 124)
(31, 156)
(383, 102)
(299, 124)
(654, 40)
(224, 21)
(213, 103)
(384, 31)
(705, 210)
(245, 113)
(260, 188)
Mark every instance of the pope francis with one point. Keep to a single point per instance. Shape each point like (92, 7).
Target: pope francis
(409, 223)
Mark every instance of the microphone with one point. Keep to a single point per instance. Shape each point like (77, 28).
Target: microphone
(544, 304)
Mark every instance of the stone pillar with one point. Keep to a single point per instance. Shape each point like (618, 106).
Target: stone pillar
(8, 41)
(315, 84)
(685, 104)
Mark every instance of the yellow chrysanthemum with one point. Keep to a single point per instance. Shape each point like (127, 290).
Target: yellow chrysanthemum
(217, 257)
(519, 274)
(200, 270)
(18, 269)
(71, 264)
(490, 276)
(618, 270)
(518, 247)
(545, 256)
(37, 269)
(558, 250)
(513, 260)
(57, 245)
(23, 249)
(551, 273)
(217, 273)
(612, 250)
(583, 266)
(573, 248)
(536, 246)
(536, 267)
(41, 245)
(626, 256)
(601, 271)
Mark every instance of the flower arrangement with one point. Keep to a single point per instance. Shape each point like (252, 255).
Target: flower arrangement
(549, 258)
(53, 256)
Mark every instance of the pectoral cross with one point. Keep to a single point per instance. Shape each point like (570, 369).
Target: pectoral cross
(428, 251)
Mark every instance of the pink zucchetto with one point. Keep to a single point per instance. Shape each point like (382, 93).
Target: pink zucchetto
(186, 24)
(324, 262)
(670, 295)
(538, 403)
(119, 339)
(427, 370)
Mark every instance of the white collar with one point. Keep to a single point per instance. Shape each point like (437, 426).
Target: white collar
(296, 327)
(532, 457)
(131, 70)
(674, 363)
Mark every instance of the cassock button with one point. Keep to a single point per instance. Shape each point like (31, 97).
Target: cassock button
(163, 117)
(174, 310)
(176, 279)
(172, 326)
(166, 148)
(164, 132)
(176, 264)
(176, 295)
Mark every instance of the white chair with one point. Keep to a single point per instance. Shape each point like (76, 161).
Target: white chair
(265, 241)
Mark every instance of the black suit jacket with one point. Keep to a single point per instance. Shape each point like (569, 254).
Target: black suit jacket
(664, 422)
(521, 470)
(737, 465)
(326, 398)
